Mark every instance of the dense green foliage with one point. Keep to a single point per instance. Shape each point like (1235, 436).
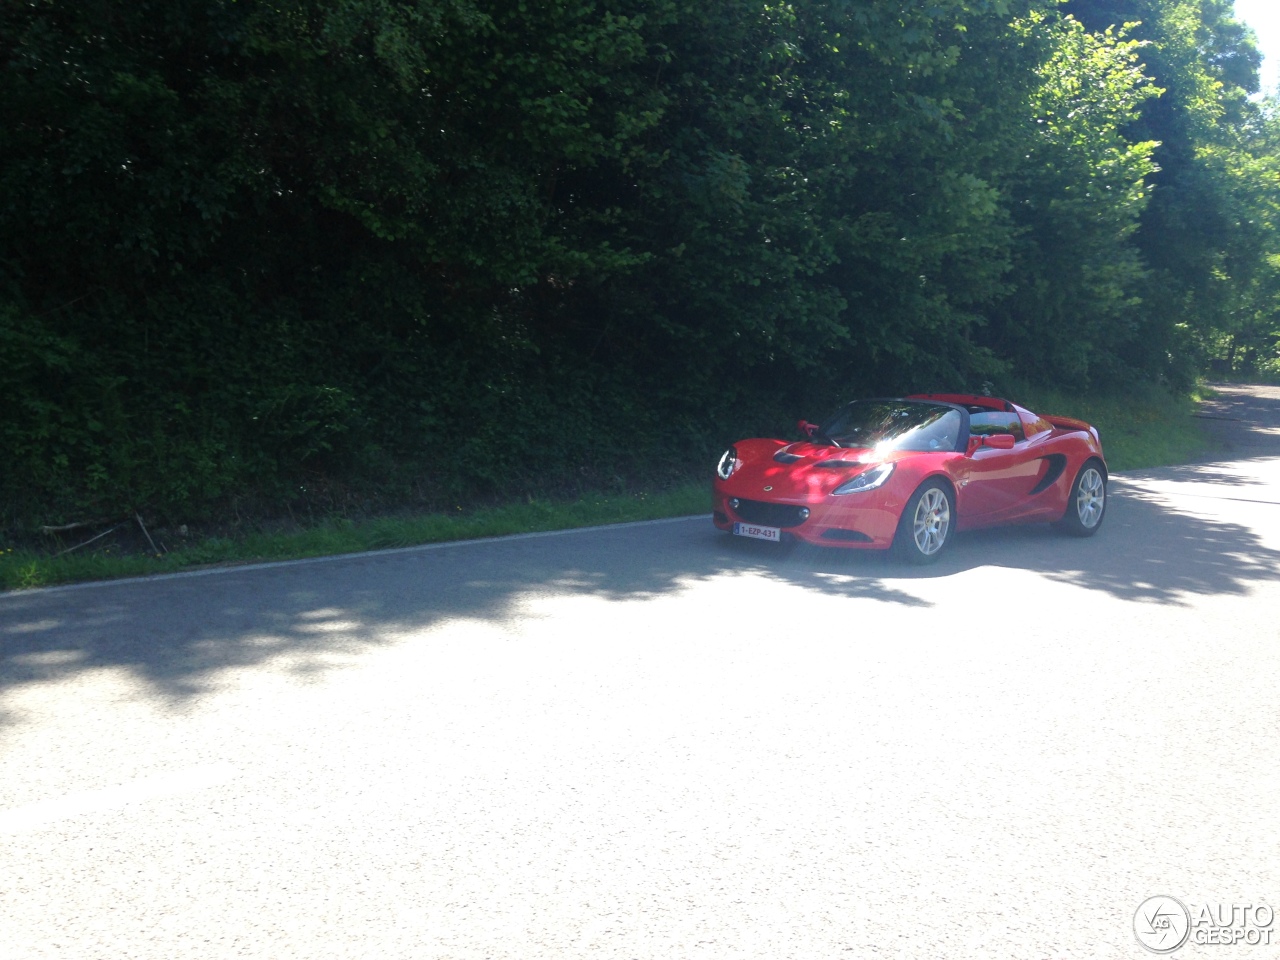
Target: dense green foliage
(427, 249)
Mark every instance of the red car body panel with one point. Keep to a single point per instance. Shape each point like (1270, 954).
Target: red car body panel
(1030, 482)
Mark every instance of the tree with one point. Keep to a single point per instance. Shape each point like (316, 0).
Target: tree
(1071, 314)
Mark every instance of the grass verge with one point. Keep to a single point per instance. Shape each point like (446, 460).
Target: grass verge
(25, 568)
(1141, 430)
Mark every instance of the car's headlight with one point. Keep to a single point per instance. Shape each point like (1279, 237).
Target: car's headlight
(728, 464)
(867, 480)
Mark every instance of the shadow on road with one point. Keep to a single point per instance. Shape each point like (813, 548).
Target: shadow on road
(1220, 474)
(176, 635)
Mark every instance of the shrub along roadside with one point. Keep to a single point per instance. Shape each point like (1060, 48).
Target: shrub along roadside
(1144, 430)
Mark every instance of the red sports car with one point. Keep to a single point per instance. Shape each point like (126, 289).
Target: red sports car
(908, 473)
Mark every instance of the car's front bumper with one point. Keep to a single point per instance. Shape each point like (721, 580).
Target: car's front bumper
(858, 521)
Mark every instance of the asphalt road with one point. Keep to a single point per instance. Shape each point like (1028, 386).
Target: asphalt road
(653, 741)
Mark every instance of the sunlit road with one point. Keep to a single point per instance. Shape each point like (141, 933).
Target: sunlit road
(656, 742)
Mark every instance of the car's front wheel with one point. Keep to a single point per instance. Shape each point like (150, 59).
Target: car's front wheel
(926, 525)
(1088, 502)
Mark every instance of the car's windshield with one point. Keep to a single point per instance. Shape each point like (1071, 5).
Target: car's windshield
(894, 425)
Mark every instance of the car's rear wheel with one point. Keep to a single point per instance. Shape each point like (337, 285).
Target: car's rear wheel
(1087, 504)
(926, 524)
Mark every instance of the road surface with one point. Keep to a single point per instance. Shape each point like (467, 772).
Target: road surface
(653, 741)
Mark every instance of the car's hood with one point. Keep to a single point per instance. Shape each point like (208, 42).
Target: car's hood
(819, 452)
(768, 471)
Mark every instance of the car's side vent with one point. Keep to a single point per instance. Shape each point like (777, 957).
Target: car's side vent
(783, 457)
(1057, 463)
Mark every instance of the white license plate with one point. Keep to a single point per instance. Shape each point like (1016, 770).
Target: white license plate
(757, 533)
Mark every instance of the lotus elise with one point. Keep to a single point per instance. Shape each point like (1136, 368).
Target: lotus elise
(906, 474)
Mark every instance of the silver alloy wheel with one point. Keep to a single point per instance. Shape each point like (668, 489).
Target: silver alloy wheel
(1091, 497)
(932, 521)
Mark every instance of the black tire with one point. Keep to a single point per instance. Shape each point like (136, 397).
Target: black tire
(1087, 505)
(927, 524)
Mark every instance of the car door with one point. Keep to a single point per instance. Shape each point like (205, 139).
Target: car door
(998, 482)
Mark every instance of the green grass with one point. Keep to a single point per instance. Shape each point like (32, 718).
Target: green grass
(1145, 429)
(25, 568)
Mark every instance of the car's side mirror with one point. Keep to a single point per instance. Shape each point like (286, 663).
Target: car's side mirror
(806, 428)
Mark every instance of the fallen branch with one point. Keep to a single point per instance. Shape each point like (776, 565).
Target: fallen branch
(138, 517)
(91, 539)
(73, 526)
